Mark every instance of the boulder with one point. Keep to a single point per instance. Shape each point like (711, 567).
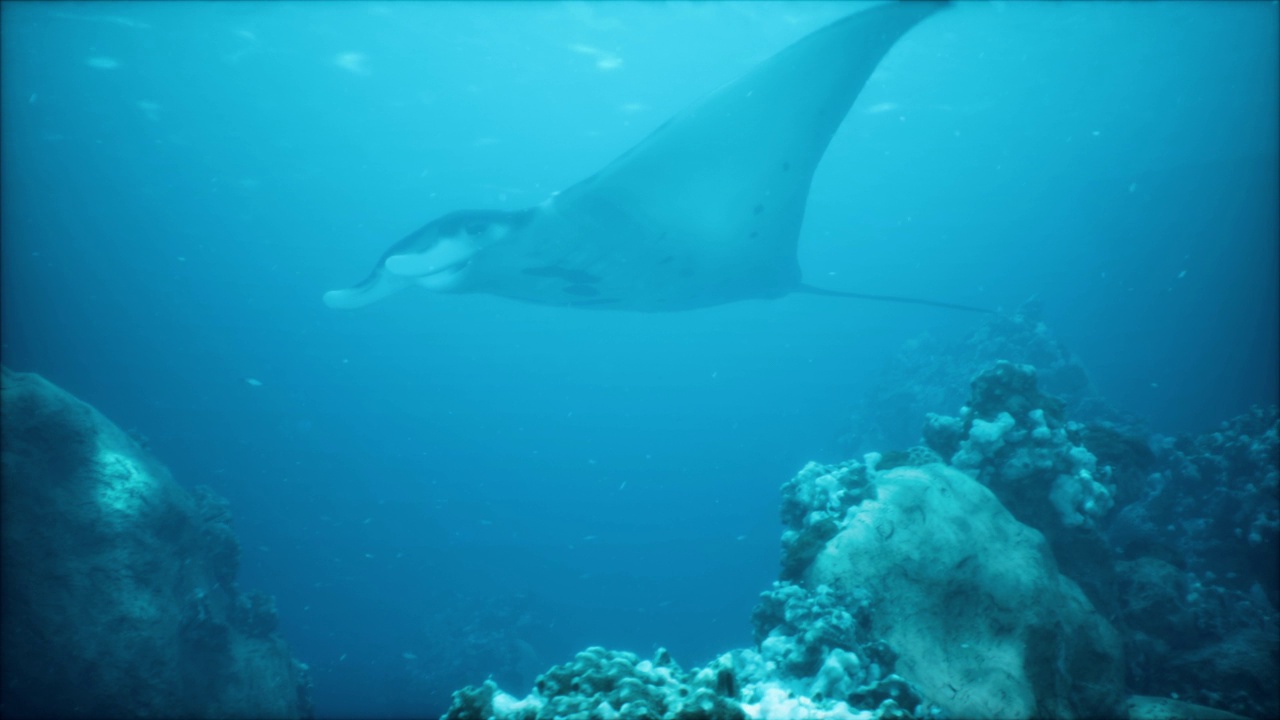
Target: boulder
(119, 594)
(971, 601)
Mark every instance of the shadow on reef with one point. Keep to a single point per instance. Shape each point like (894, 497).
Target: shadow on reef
(119, 589)
(1032, 556)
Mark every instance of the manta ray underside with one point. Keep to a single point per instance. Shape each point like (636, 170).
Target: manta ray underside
(705, 210)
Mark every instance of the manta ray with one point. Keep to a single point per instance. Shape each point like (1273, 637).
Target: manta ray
(706, 210)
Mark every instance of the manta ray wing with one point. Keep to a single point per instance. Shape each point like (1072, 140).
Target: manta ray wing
(721, 188)
(705, 210)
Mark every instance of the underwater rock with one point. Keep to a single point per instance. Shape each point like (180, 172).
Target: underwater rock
(1155, 603)
(1019, 442)
(119, 595)
(1142, 707)
(971, 601)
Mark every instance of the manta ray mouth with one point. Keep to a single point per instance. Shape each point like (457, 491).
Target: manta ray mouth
(443, 279)
(445, 258)
(453, 269)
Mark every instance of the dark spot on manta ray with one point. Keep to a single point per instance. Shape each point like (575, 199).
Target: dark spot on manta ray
(577, 277)
(759, 208)
(586, 290)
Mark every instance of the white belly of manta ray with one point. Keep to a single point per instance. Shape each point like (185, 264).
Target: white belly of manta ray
(704, 211)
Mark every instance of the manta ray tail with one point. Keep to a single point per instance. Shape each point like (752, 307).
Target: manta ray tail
(892, 298)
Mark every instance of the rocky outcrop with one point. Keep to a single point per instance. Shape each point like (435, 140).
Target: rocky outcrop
(119, 595)
(971, 600)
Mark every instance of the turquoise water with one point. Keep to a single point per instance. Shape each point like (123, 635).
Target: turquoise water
(439, 487)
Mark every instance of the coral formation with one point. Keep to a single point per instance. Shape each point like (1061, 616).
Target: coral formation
(738, 685)
(1016, 441)
(820, 644)
(1198, 560)
(603, 684)
(932, 375)
(1216, 499)
(1019, 442)
(119, 593)
(1021, 563)
(1178, 546)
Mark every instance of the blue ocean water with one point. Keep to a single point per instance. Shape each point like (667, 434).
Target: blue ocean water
(440, 487)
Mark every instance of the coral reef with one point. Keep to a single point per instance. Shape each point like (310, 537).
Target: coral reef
(820, 644)
(1214, 498)
(1173, 538)
(1019, 442)
(119, 593)
(603, 684)
(1198, 557)
(1016, 441)
(738, 685)
(1020, 563)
